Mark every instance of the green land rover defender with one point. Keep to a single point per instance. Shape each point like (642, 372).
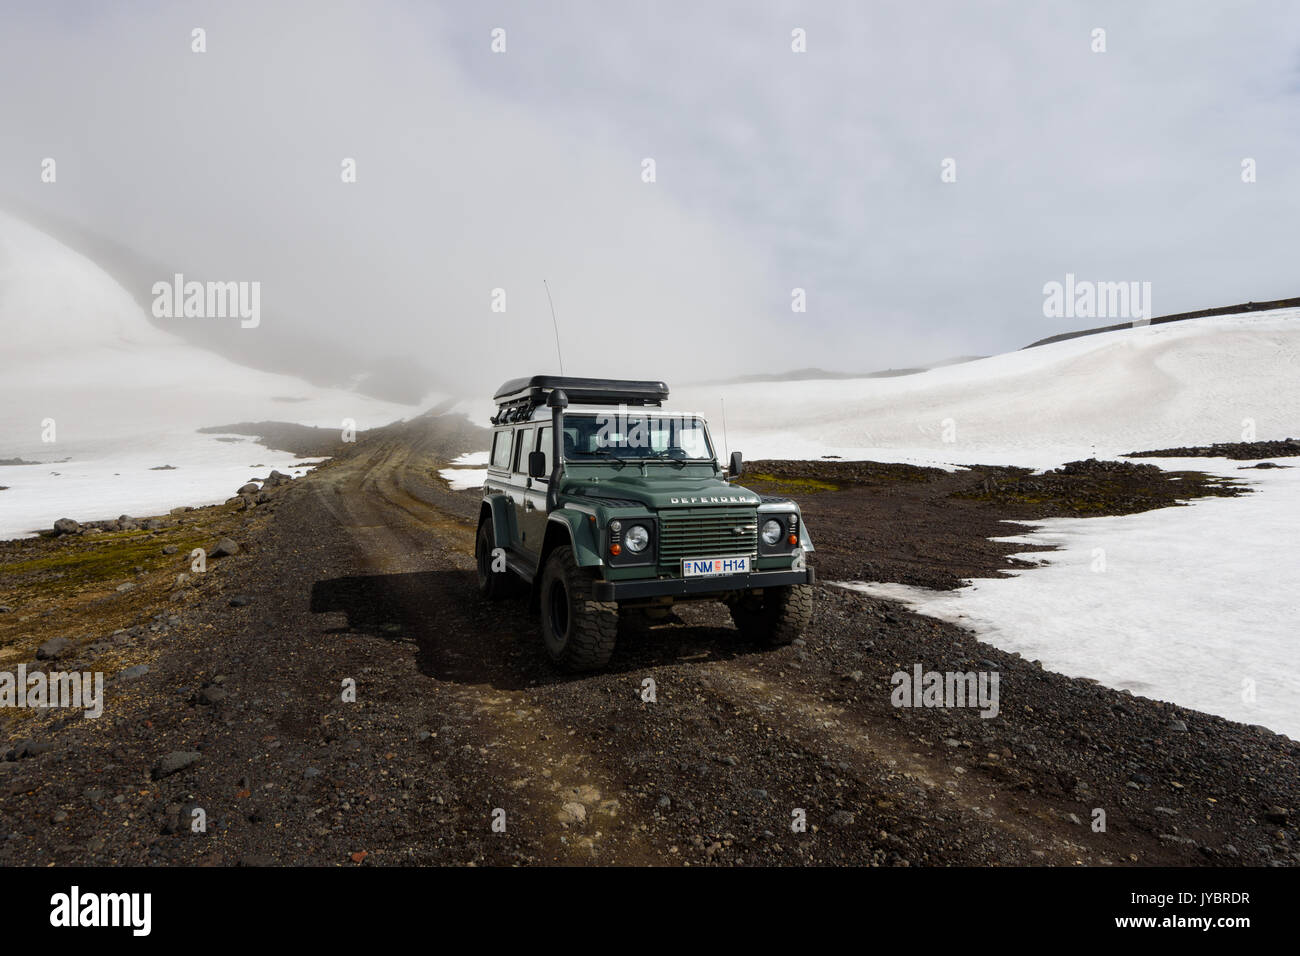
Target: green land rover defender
(604, 504)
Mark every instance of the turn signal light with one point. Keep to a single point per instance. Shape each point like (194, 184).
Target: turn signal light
(616, 549)
(794, 539)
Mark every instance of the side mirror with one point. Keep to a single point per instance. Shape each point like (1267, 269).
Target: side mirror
(537, 464)
(737, 465)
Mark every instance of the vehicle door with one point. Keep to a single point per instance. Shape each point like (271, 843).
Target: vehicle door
(530, 531)
(533, 519)
(517, 487)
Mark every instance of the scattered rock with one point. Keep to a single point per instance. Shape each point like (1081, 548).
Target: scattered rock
(29, 748)
(52, 648)
(224, 548)
(174, 762)
(572, 812)
(66, 526)
(210, 696)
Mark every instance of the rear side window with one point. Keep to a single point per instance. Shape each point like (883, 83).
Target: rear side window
(523, 445)
(501, 449)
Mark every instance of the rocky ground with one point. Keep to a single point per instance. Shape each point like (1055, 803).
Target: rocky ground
(228, 693)
(1239, 451)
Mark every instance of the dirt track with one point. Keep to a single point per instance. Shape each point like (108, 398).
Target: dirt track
(363, 570)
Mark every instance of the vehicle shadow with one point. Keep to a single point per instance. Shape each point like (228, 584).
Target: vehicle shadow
(459, 637)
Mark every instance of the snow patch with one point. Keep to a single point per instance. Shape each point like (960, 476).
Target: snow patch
(1196, 605)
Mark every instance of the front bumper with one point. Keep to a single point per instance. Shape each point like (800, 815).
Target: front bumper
(672, 587)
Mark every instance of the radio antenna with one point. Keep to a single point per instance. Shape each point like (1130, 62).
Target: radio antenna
(555, 325)
(725, 447)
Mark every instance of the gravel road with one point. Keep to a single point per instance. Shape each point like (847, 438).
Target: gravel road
(463, 745)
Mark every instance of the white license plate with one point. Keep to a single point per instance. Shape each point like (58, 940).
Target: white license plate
(711, 567)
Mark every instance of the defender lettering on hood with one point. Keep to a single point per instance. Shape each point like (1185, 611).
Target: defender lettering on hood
(714, 500)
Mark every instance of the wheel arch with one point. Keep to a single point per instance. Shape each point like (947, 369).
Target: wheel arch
(494, 507)
(571, 529)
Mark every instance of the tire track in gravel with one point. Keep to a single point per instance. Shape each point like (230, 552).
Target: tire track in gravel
(843, 737)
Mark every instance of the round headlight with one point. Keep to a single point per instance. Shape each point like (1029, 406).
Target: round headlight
(637, 538)
(772, 531)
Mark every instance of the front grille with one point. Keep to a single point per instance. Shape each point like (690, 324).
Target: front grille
(705, 533)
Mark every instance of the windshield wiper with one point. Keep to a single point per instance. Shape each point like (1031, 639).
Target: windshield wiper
(679, 462)
(608, 454)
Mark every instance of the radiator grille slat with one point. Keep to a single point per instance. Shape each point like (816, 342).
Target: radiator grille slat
(705, 533)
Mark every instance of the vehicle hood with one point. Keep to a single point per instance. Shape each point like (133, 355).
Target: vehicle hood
(656, 492)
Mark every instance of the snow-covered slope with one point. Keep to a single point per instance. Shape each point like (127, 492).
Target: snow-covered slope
(124, 397)
(1160, 386)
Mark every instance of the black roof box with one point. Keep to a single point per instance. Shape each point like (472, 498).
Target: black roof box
(582, 391)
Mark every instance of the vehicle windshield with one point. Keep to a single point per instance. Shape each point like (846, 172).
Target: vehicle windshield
(623, 436)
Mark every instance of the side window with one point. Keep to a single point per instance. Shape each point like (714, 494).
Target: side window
(523, 445)
(501, 449)
(544, 446)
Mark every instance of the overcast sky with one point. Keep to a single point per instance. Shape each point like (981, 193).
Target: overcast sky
(775, 170)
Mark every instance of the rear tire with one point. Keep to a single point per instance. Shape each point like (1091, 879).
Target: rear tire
(775, 617)
(579, 632)
(492, 585)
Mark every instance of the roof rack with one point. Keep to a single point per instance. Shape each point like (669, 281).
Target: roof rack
(517, 398)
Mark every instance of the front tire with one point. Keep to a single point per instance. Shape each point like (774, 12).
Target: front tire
(579, 632)
(775, 617)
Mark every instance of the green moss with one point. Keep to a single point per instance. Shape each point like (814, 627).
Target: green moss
(112, 556)
(805, 484)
